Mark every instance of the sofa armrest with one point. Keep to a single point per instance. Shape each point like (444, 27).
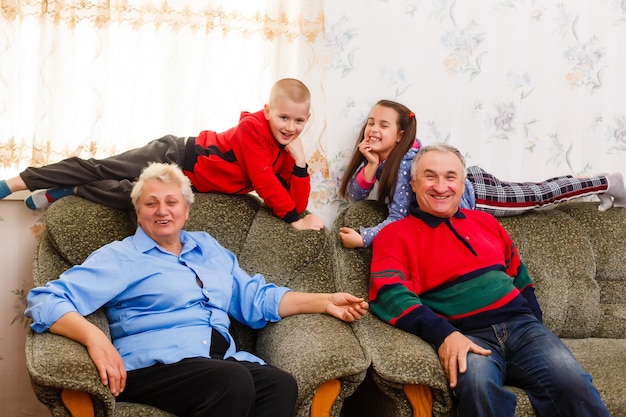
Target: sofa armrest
(56, 363)
(314, 348)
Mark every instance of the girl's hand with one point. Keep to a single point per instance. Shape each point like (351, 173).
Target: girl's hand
(366, 151)
(350, 238)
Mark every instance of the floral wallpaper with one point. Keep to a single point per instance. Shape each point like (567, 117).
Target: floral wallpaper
(527, 89)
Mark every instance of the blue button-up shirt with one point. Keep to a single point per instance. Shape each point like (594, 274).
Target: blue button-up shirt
(158, 312)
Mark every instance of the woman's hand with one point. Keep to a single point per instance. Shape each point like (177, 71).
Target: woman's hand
(346, 306)
(109, 364)
(103, 354)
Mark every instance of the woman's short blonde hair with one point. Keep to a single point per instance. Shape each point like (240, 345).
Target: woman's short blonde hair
(166, 173)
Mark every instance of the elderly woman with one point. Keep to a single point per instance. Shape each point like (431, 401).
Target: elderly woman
(168, 295)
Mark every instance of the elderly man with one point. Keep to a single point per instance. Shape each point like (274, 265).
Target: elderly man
(454, 278)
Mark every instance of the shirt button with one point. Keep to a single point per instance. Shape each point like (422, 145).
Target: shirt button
(204, 342)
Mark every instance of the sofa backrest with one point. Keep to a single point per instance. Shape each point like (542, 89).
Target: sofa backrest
(575, 254)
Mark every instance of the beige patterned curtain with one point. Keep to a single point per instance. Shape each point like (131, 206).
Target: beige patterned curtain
(92, 78)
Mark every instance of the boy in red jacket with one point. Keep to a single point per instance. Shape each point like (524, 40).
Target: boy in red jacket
(263, 153)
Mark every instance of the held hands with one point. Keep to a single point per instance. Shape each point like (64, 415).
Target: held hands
(453, 355)
(308, 222)
(346, 306)
(350, 238)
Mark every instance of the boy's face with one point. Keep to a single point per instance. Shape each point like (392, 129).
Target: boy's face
(286, 119)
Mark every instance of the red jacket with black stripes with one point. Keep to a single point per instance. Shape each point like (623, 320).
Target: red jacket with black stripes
(247, 158)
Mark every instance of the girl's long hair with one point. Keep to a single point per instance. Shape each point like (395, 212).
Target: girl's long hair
(389, 174)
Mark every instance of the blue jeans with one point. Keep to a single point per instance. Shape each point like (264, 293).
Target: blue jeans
(525, 354)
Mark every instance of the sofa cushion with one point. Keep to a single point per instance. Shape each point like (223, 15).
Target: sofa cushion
(607, 234)
(560, 259)
(76, 227)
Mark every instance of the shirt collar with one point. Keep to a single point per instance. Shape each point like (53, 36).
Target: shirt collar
(429, 219)
(144, 243)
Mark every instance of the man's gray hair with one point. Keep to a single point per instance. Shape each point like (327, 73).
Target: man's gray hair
(166, 173)
(437, 147)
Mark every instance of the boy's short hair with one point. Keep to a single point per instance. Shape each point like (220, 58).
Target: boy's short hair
(290, 88)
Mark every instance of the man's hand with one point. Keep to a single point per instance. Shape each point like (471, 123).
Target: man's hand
(453, 355)
(296, 150)
(346, 306)
(350, 238)
(308, 222)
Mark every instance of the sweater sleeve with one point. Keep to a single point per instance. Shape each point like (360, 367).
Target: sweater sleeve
(359, 188)
(394, 298)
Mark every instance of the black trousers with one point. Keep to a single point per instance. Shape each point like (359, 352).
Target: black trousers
(201, 387)
(106, 181)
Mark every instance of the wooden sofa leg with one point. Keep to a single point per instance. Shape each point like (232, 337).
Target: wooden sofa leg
(324, 398)
(421, 399)
(78, 403)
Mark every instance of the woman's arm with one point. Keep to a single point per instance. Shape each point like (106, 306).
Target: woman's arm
(101, 351)
(344, 306)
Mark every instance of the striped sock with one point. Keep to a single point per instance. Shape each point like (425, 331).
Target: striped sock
(43, 198)
(4, 189)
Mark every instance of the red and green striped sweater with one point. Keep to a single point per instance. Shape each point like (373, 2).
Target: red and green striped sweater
(431, 276)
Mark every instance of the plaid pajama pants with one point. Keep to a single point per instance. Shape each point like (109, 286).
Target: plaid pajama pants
(503, 198)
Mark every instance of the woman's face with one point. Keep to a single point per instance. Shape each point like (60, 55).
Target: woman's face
(381, 131)
(162, 212)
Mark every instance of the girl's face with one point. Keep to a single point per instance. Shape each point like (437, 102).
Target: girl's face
(382, 132)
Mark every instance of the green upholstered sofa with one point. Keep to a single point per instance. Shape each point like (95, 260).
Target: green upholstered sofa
(577, 257)
(320, 351)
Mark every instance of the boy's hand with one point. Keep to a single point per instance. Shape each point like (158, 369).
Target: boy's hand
(350, 238)
(296, 151)
(308, 222)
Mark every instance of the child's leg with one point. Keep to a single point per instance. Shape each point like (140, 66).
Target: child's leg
(502, 198)
(616, 193)
(8, 187)
(105, 181)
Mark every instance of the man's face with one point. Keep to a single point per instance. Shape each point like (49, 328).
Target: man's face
(439, 183)
(286, 119)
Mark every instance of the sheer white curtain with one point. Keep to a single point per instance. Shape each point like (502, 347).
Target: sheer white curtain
(96, 77)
